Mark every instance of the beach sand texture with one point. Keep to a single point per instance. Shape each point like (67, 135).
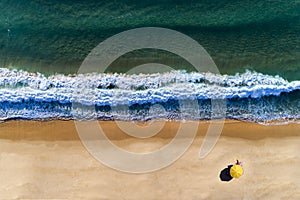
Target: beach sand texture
(46, 160)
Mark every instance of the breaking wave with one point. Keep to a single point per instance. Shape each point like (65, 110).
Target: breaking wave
(249, 96)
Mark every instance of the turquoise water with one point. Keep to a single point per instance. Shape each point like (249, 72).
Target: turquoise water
(55, 36)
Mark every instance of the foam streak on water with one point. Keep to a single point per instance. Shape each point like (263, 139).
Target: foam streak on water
(250, 96)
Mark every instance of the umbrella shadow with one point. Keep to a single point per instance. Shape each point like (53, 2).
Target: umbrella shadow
(225, 174)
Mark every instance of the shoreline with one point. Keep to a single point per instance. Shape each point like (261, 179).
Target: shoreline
(232, 128)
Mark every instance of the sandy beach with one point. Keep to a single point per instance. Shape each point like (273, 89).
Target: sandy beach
(46, 160)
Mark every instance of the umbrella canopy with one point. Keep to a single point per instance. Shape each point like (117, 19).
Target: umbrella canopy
(236, 171)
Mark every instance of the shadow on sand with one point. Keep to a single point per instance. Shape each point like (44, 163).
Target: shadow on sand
(225, 174)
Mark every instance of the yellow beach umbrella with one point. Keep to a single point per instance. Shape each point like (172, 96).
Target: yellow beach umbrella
(236, 171)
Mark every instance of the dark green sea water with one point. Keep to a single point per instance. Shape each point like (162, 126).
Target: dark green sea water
(54, 36)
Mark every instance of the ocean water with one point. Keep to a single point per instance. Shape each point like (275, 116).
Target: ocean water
(255, 45)
(55, 36)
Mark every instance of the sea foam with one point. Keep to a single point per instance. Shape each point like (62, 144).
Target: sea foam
(249, 96)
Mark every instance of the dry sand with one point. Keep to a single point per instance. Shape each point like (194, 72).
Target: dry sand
(46, 160)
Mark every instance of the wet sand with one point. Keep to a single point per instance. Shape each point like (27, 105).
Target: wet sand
(40, 160)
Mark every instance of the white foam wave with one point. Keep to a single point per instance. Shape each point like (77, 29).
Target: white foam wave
(112, 89)
(33, 95)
